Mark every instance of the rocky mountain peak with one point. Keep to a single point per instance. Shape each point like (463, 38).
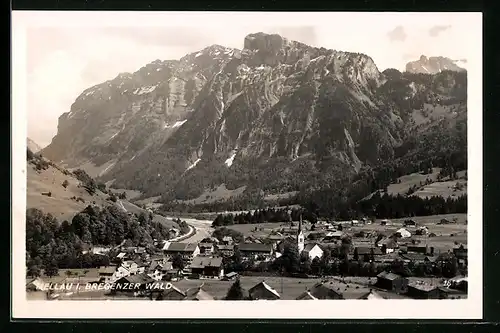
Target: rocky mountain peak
(432, 65)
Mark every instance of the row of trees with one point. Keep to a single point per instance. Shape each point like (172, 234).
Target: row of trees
(264, 215)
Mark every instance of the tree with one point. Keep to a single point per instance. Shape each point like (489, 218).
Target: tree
(33, 271)
(65, 183)
(178, 262)
(235, 293)
(290, 260)
(52, 269)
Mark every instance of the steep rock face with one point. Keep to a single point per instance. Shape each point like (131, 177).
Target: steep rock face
(32, 145)
(119, 118)
(433, 65)
(278, 115)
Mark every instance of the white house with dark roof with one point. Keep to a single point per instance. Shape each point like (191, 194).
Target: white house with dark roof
(313, 250)
(185, 250)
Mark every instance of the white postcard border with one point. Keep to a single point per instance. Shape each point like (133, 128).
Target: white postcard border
(470, 308)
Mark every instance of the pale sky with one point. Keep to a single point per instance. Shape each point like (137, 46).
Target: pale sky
(69, 52)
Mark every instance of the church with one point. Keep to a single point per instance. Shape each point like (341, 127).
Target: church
(312, 250)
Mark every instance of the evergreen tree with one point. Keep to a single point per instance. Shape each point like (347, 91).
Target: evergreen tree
(235, 293)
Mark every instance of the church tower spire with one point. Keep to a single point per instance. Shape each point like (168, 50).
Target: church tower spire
(300, 236)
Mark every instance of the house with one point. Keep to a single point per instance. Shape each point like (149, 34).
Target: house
(385, 222)
(403, 233)
(198, 294)
(186, 250)
(133, 283)
(444, 221)
(392, 282)
(171, 294)
(100, 250)
(206, 266)
(461, 255)
(120, 272)
(313, 250)
(388, 245)
(36, 284)
(420, 249)
(365, 253)
(306, 295)
(121, 256)
(227, 240)
(262, 291)
(372, 295)
(423, 291)
(206, 248)
(320, 291)
(458, 283)
(107, 274)
(255, 250)
(231, 276)
(133, 267)
(409, 223)
(225, 250)
(333, 235)
(413, 257)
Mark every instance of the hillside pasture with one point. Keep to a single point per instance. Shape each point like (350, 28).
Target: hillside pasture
(60, 203)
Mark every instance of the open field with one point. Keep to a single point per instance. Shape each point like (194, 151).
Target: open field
(214, 195)
(444, 188)
(273, 197)
(59, 203)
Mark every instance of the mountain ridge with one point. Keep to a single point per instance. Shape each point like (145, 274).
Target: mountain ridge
(235, 117)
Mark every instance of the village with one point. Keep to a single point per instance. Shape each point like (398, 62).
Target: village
(339, 260)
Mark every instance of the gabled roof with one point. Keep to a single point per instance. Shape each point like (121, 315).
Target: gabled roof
(362, 250)
(202, 262)
(321, 291)
(107, 270)
(138, 278)
(174, 289)
(222, 247)
(255, 247)
(198, 294)
(422, 286)
(310, 246)
(38, 283)
(205, 245)
(414, 256)
(180, 247)
(372, 295)
(306, 296)
(264, 285)
(388, 276)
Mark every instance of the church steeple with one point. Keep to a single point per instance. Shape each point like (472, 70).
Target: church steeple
(300, 236)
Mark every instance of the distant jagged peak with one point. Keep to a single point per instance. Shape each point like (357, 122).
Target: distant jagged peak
(433, 65)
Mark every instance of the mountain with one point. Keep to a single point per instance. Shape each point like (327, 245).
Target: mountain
(275, 117)
(433, 65)
(32, 145)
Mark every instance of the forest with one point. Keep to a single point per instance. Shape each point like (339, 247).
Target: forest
(52, 244)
